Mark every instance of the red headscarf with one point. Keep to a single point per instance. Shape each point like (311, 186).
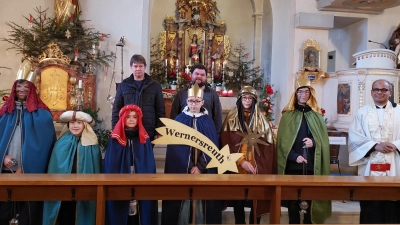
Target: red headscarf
(33, 101)
(119, 129)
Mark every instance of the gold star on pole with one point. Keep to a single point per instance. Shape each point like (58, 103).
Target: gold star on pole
(251, 139)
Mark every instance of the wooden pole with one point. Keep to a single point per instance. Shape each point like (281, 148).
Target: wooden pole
(194, 201)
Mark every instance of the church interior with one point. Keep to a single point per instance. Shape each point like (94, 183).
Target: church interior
(340, 46)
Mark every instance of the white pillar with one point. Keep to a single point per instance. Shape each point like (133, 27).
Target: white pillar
(257, 18)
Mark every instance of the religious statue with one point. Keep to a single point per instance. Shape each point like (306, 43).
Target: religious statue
(200, 50)
(63, 9)
(172, 56)
(213, 11)
(394, 45)
(196, 15)
(192, 51)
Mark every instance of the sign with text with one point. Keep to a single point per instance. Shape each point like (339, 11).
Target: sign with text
(337, 140)
(175, 133)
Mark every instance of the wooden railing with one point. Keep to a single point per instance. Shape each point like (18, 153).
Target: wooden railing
(101, 187)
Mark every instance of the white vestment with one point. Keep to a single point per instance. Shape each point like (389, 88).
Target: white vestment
(367, 130)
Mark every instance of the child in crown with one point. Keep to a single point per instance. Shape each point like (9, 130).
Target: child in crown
(183, 159)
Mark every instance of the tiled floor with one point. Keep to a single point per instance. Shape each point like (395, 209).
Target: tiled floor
(342, 213)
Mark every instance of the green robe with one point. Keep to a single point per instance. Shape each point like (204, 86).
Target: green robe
(61, 161)
(287, 133)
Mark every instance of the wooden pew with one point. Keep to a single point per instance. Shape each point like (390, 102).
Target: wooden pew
(102, 187)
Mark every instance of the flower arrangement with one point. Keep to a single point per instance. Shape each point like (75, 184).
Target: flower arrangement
(323, 115)
(218, 79)
(184, 80)
(267, 97)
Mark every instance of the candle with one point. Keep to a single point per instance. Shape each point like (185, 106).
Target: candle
(177, 62)
(166, 62)
(230, 93)
(80, 84)
(212, 65)
(224, 93)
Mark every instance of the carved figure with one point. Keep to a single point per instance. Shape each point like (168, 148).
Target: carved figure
(64, 9)
(192, 51)
(200, 50)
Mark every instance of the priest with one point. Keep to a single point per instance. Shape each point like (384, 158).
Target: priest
(374, 143)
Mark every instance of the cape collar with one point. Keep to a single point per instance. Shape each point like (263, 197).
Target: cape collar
(202, 112)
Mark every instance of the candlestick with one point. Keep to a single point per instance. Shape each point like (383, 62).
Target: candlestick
(177, 73)
(212, 76)
(223, 75)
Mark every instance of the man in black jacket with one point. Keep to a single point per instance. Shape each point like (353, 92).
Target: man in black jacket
(211, 98)
(141, 90)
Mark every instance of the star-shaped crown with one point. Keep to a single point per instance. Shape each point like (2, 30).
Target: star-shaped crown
(195, 91)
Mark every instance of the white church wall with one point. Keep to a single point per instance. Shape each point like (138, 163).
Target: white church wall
(129, 18)
(266, 44)
(14, 11)
(282, 76)
(287, 41)
(126, 18)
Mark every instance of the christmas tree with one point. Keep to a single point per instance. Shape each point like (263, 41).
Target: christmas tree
(157, 65)
(74, 40)
(240, 71)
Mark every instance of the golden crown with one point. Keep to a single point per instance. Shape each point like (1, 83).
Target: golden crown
(195, 91)
(302, 80)
(25, 72)
(248, 90)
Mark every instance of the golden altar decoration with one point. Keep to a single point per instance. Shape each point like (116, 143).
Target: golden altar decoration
(57, 82)
(194, 36)
(311, 67)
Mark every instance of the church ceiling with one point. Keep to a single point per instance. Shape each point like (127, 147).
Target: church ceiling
(357, 6)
